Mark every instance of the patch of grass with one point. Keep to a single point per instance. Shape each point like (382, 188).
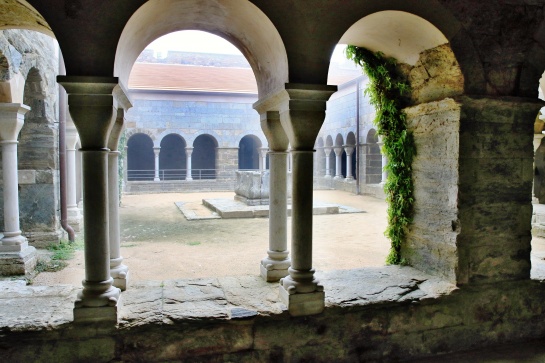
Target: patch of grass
(194, 243)
(64, 250)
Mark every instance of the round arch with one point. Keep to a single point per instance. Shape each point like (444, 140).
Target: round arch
(351, 141)
(204, 157)
(248, 152)
(140, 157)
(415, 42)
(172, 157)
(239, 22)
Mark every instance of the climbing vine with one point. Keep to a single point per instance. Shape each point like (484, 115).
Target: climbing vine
(385, 91)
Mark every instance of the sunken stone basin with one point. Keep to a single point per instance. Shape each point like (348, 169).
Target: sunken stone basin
(252, 187)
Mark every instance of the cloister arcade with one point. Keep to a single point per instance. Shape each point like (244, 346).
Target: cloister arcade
(471, 109)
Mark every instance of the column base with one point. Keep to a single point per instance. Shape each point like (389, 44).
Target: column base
(273, 271)
(349, 179)
(338, 178)
(44, 239)
(18, 263)
(75, 219)
(96, 314)
(303, 304)
(121, 277)
(100, 307)
(156, 179)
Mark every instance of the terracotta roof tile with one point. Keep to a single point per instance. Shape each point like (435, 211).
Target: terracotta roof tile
(182, 77)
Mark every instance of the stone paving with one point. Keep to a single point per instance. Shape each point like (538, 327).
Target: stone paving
(231, 208)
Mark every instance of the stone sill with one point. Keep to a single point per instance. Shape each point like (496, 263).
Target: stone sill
(36, 308)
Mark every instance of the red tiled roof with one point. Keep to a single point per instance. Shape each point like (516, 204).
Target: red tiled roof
(182, 77)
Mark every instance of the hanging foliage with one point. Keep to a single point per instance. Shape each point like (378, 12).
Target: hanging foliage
(385, 91)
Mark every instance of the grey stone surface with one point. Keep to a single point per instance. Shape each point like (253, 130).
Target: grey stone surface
(232, 208)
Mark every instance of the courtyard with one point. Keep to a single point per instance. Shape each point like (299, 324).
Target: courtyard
(158, 243)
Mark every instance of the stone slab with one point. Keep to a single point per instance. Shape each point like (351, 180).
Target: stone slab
(233, 208)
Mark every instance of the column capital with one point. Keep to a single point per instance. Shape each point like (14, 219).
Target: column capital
(156, 150)
(349, 149)
(91, 106)
(273, 130)
(72, 136)
(302, 113)
(338, 150)
(11, 120)
(117, 129)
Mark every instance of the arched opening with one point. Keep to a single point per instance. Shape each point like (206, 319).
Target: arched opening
(172, 158)
(204, 157)
(248, 153)
(140, 158)
(373, 157)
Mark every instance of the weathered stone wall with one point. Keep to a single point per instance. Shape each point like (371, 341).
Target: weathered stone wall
(431, 241)
(495, 192)
(35, 56)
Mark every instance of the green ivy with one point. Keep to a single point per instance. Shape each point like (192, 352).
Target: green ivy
(385, 91)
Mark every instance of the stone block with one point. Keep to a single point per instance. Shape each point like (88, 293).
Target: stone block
(303, 304)
(27, 176)
(18, 263)
(106, 314)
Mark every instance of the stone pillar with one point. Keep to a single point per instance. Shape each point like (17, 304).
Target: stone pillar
(302, 113)
(276, 264)
(118, 271)
(91, 102)
(188, 152)
(156, 151)
(263, 159)
(16, 256)
(338, 162)
(75, 219)
(327, 151)
(290, 160)
(349, 149)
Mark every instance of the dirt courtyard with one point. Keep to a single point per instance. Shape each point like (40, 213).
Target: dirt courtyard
(158, 243)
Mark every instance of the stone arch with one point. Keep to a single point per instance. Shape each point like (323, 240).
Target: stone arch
(217, 139)
(149, 133)
(203, 159)
(253, 34)
(373, 158)
(172, 157)
(248, 152)
(140, 157)
(421, 48)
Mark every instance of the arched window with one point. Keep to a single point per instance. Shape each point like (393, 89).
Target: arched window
(248, 153)
(204, 157)
(351, 142)
(172, 158)
(140, 158)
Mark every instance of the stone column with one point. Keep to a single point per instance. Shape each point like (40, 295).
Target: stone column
(290, 160)
(349, 149)
(91, 102)
(327, 151)
(276, 264)
(16, 256)
(302, 114)
(118, 271)
(156, 151)
(263, 159)
(125, 166)
(338, 162)
(75, 219)
(188, 152)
